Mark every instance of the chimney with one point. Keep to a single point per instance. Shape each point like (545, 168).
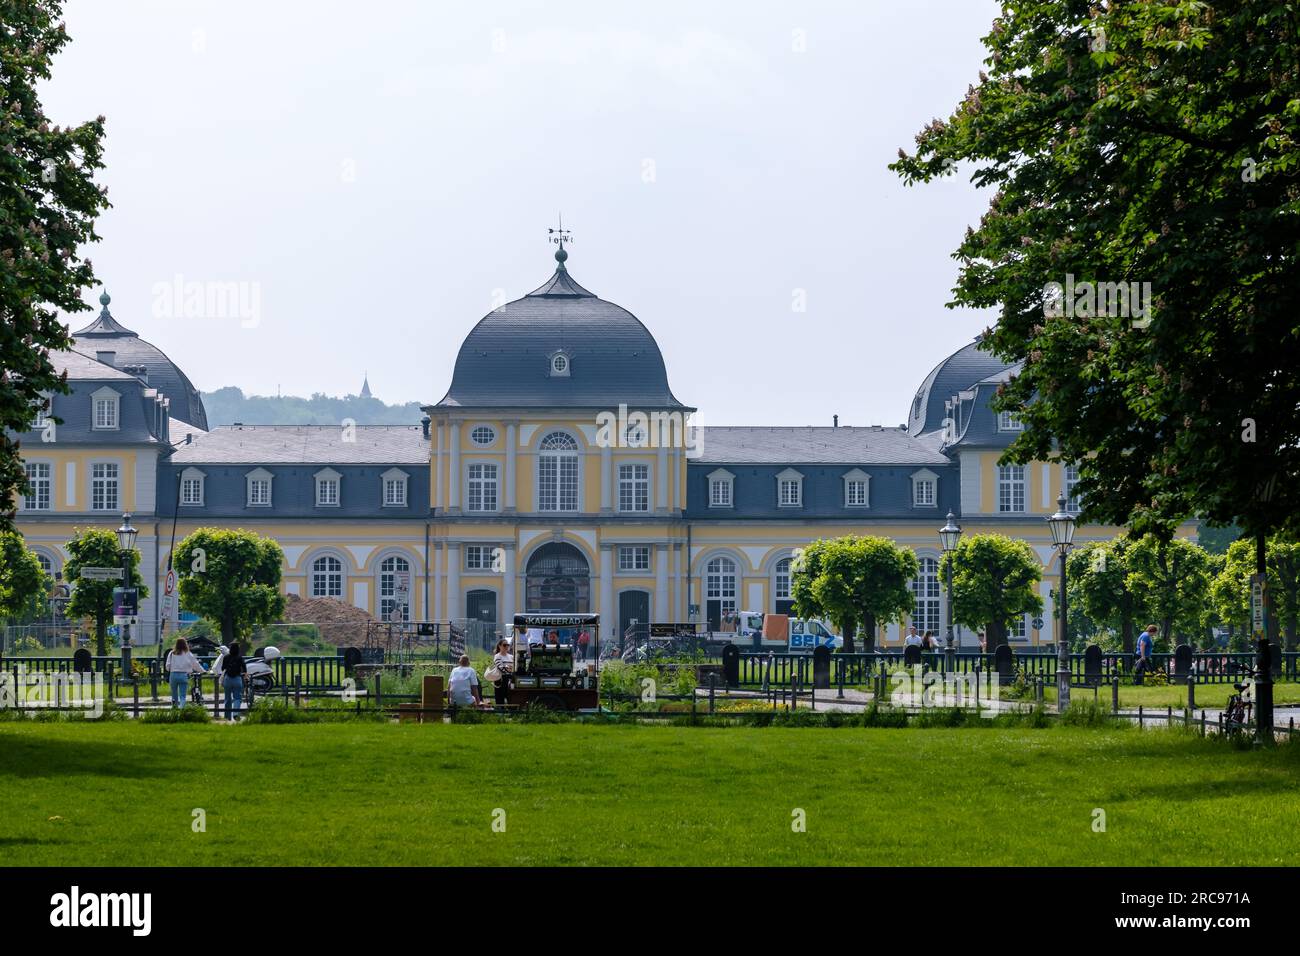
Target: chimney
(835, 421)
(189, 437)
(425, 422)
(108, 358)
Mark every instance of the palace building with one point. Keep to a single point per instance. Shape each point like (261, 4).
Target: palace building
(558, 472)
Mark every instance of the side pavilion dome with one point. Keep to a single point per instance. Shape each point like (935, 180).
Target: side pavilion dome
(560, 346)
(132, 354)
(959, 371)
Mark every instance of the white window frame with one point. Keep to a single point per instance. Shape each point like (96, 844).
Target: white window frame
(1069, 480)
(42, 487)
(111, 401)
(630, 558)
(114, 482)
(386, 586)
(782, 579)
(857, 478)
(559, 364)
(922, 479)
(476, 435)
(787, 480)
(928, 612)
(1012, 486)
(560, 460)
(44, 410)
(329, 488)
(314, 575)
(633, 478)
(1008, 422)
(480, 558)
(394, 478)
(193, 475)
(722, 584)
(482, 491)
(254, 479)
(722, 488)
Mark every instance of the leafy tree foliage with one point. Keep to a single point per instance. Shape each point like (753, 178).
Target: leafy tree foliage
(995, 580)
(1142, 142)
(48, 208)
(97, 548)
(22, 580)
(228, 405)
(854, 580)
(1230, 588)
(1098, 582)
(1172, 580)
(230, 577)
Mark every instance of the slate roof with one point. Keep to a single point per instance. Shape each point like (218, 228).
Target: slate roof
(81, 367)
(958, 371)
(847, 444)
(106, 334)
(504, 361)
(303, 444)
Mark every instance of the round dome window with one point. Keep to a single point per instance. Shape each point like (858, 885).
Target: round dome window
(559, 364)
(483, 435)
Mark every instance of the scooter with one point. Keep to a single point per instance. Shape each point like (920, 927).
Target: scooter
(261, 676)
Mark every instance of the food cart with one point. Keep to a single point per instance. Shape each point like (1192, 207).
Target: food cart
(553, 667)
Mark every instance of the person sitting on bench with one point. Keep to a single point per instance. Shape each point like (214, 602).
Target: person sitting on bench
(463, 687)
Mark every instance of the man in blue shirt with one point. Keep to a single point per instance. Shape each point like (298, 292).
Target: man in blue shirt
(1145, 646)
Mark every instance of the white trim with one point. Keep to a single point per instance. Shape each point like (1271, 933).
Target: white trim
(111, 396)
(925, 475)
(193, 474)
(789, 476)
(723, 478)
(857, 475)
(258, 474)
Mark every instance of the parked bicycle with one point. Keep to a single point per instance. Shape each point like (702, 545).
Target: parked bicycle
(1237, 715)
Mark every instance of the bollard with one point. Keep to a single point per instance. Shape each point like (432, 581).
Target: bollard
(1169, 715)
(713, 684)
(1202, 723)
(1191, 691)
(135, 699)
(1114, 695)
(1139, 716)
(379, 692)
(216, 697)
(840, 695)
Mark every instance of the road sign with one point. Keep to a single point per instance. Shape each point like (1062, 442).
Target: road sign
(1258, 605)
(1038, 623)
(101, 574)
(170, 604)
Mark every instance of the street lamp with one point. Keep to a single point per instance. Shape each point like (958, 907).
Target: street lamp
(949, 535)
(1062, 527)
(126, 536)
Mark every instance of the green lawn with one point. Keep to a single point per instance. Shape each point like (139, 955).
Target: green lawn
(1175, 695)
(122, 793)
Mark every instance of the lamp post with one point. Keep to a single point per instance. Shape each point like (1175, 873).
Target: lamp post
(126, 536)
(1062, 527)
(949, 535)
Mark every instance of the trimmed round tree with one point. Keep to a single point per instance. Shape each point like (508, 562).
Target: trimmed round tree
(97, 548)
(22, 579)
(994, 580)
(1174, 576)
(854, 580)
(1099, 582)
(230, 577)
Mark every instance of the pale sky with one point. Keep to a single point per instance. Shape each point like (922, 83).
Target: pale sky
(374, 174)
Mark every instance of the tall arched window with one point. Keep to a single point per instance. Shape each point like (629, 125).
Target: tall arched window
(395, 589)
(557, 473)
(327, 577)
(719, 590)
(925, 586)
(782, 603)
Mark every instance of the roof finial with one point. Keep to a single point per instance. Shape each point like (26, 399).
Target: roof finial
(559, 235)
(104, 299)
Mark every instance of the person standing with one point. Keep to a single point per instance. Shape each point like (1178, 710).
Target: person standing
(503, 662)
(1145, 647)
(583, 640)
(180, 665)
(233, 671)
(913, 639)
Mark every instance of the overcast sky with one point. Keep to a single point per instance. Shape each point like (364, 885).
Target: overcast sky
(374, 174)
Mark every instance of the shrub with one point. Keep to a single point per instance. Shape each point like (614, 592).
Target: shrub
(947, 717)
(268, 711)
(1089, 713)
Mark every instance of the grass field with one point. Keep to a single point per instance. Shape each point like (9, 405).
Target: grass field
(373, 794)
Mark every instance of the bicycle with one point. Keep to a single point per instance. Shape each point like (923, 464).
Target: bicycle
(1237, 715)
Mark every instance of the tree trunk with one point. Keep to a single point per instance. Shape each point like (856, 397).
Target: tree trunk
(996, 636)
(868, 633)
(847, 627)
(227, 628)
(101, 636)
(1126, 623)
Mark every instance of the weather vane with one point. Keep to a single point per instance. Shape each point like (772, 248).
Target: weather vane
(559, 234)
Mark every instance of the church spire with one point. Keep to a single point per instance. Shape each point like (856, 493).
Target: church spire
(365, 385)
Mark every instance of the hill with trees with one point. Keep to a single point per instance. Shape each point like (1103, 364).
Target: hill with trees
(228, 405)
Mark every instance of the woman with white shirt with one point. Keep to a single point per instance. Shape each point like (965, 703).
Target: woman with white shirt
(503, 662)
(180, 664)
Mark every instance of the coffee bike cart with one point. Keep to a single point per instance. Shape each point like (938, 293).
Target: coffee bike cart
(552, 669)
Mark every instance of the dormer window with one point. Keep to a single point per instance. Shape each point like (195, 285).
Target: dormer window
(43, 405)
(721, 488)
(259, 488)
(1008, 422)
(789, 489)
(394, 480)
(191, 487)
(560, 365)
(327, 488)
(105, 407)
(925, 489)
(857, 489)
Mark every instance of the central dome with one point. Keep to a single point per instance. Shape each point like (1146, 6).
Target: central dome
(560, 346)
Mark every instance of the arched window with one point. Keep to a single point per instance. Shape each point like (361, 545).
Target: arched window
(925, 586)
(781, 587)
(719, 590)
(395, 589)
(557, 473)
(327, 577)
